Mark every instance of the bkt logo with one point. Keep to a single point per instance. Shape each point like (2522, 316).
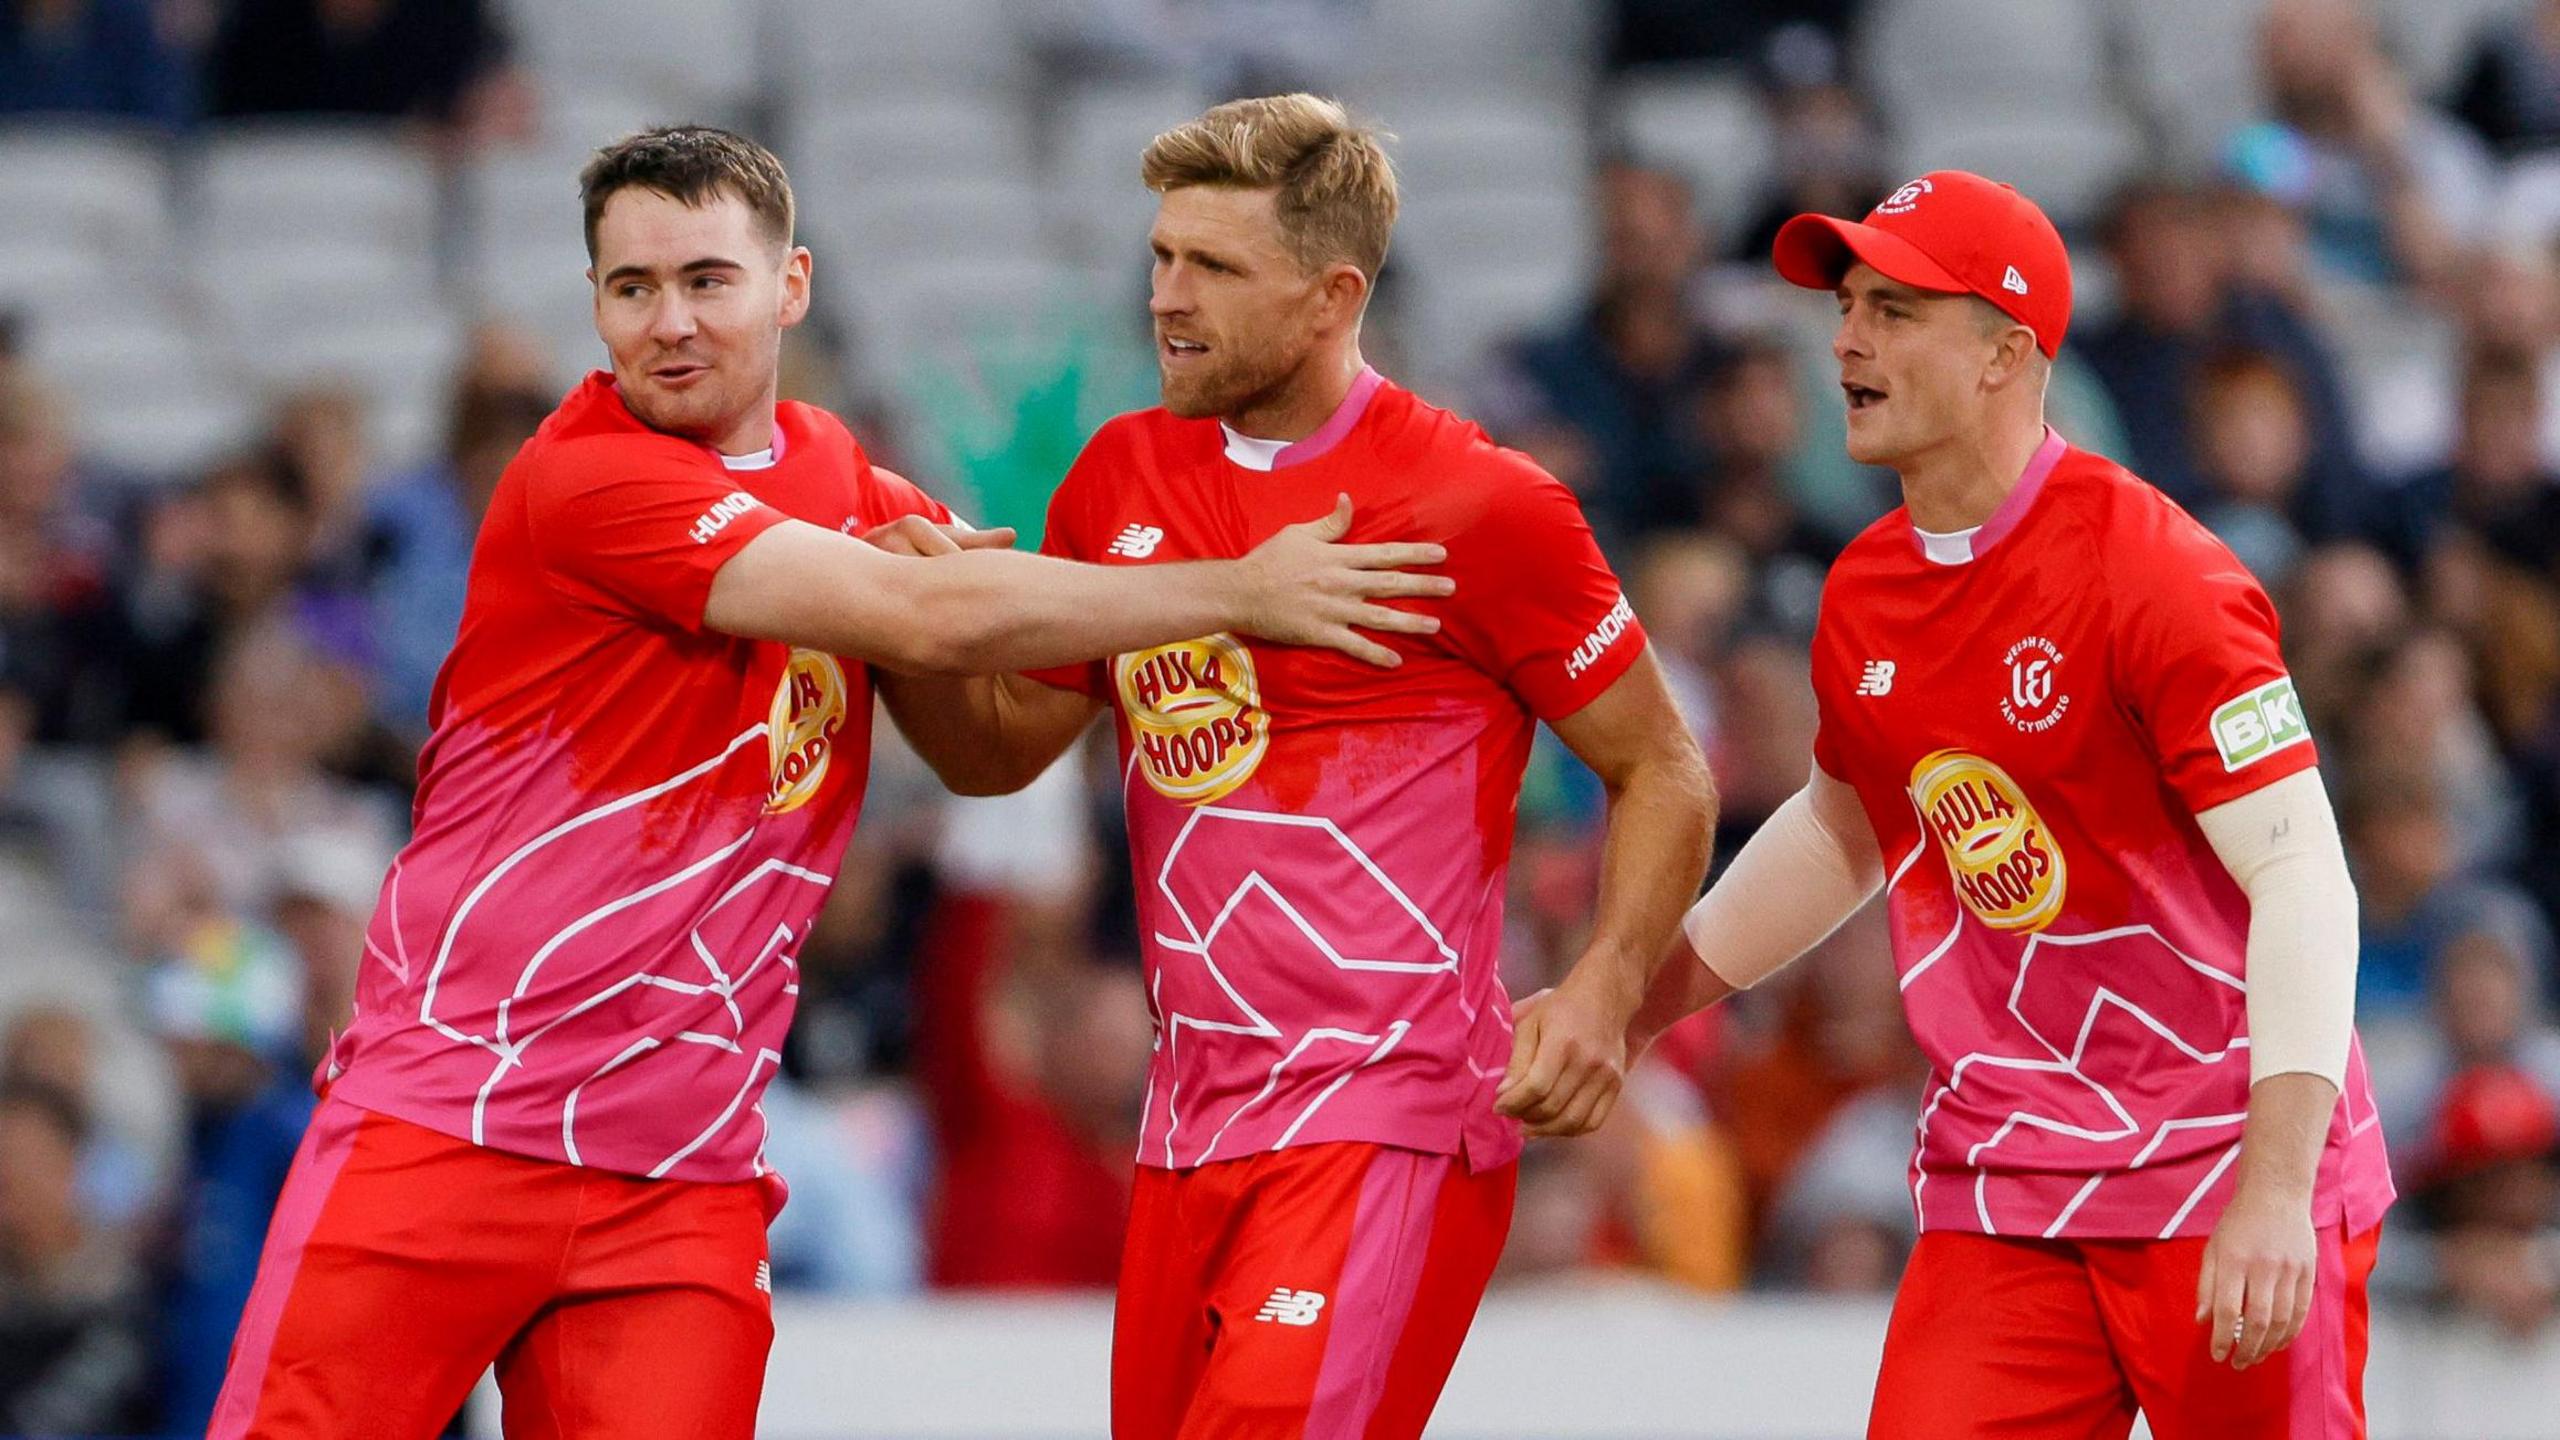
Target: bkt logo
(1291, 1307)
(716, 519)
(1877, 678)
(2249, 728)
(1138, 541)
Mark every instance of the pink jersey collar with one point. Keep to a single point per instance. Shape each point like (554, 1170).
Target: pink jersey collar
(2013, 508)
(1364, 388)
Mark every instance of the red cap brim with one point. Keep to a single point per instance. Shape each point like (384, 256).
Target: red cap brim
(1814, 251)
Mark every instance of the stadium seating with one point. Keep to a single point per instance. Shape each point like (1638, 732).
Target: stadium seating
(1708, 125)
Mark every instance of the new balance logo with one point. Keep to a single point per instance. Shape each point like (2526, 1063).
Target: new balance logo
(1877, 678)
(1291, 1307)
(764, 1276)
(1138, 541)
(2013, 282)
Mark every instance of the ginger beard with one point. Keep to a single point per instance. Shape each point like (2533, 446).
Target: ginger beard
(1235, 310)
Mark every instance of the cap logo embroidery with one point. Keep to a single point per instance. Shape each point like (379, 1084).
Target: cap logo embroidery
(2013, 282)
(1902, 200)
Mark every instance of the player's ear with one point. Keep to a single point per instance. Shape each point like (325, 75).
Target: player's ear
(2012, 357)
(798, 268)
(1346, 293)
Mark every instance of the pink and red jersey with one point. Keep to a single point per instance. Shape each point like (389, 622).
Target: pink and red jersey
(625, 822)
(2033, 715)
(1319, 846)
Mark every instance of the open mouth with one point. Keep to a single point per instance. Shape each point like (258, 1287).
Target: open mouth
(1176, 348)
(1861, 397)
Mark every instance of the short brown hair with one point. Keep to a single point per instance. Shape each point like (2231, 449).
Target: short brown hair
(1336, 189)
(692, 165)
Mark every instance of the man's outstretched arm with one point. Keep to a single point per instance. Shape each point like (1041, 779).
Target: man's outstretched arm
(1806, 870)
(1569, 1051)
(989, 610)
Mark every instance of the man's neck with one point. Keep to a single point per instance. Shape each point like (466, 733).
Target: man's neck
(1298, 407)
(1958, 485)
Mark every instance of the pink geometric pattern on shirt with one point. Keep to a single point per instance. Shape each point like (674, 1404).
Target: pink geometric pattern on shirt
(1276, 915)
(633, 1032)
(2105, 1023)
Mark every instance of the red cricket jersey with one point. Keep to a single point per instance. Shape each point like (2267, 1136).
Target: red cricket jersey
(625, 822)
(1320, 845)
(2033, 717)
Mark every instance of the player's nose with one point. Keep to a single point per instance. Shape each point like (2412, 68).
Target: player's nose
(672, 320)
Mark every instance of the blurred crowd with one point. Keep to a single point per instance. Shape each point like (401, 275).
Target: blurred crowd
(212, 690)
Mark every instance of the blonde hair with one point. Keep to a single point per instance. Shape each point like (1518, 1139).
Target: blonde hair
(1335, 190)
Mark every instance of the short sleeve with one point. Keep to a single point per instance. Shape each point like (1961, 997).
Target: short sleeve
(639, 528)
(1537, 606)
(2197, 662)
(1064, 536)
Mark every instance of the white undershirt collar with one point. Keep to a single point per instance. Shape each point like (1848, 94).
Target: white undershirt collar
(756, 460)
(1954, 547)
(1251, 452)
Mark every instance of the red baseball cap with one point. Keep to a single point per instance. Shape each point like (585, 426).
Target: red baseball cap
(2492, 1115)
(1950, 231)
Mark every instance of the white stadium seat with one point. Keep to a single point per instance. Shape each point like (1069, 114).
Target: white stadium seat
(694, 60)
(1949, 54)
(260, 185)
(907, 138)
(1473, 44)
(1488, 143)
(1709, 126)
(2192, 66)
(2069, 165)
(1092, 173)
(843, 48)
(104, 189)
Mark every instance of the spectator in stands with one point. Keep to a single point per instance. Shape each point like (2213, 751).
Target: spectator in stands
(2509, 93)
(2413, 901)
(1842, 1222)
(1032, 1075)
(1824, 158)
(99, 59)
(1820, 1043)
(228, 1003)
(421, 530)
(2489, 1011)
(2180, 298)
(2418, 708)
(2253, 442)
(74, 1353)
(280, 710)
(1674, 32)
(423, 60)
(2490, 1194)
(319, 435)
(2344, 603)
(2392, 188)
(55, 1047)
(2496, 492)
(1751, 423)
(1608, 404)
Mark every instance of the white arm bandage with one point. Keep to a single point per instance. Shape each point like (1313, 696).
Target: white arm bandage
(2281, 844)
(1805, 870)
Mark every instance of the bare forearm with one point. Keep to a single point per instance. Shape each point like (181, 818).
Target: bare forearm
(986, 734)
(1661, 829)
(1682, 986)
(1000, 610)
(2281, 1142)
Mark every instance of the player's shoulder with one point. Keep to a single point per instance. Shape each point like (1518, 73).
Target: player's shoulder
(2145, 538)
(1456, 470)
